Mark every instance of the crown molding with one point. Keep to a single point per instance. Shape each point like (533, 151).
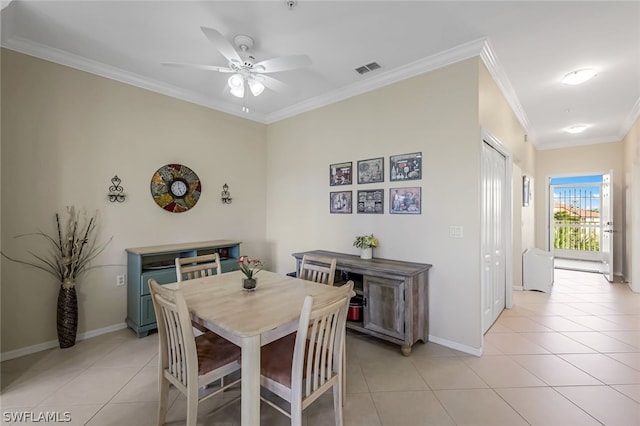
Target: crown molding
(496, 70)
(480, 47)
(70, 60)
(628, 122)
(434, 62)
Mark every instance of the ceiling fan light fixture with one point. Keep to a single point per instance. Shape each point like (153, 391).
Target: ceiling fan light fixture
(578, 128)
(236, 84)
(238, 92)
(579, 76)
(256, 87)
(236, 81)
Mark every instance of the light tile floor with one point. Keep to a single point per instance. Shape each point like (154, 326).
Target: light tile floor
(571, 357)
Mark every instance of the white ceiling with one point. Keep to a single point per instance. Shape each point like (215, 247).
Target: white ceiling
(528, 46)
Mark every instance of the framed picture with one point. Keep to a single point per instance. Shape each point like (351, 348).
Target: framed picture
(340, 174)
(371, 201)
(371, 171)
(405, 200)
(405, 166)
(340, 202)
(526, 191)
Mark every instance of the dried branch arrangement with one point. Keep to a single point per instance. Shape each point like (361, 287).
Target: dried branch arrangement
(71, 250)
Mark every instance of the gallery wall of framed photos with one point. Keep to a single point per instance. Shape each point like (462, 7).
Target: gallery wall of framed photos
(370, 199)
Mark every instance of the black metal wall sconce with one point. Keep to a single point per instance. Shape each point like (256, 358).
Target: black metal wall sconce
(225, 195)
(116, 191)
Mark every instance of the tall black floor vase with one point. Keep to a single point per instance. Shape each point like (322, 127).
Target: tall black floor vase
(67, 316)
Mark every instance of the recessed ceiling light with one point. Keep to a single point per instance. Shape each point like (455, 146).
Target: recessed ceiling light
(578, 128)
(579, 76)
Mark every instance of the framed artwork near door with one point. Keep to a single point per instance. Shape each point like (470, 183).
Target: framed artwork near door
(340, 173)
(371, 171)
(371, 201)
(405, 200)
(340, 202)
(526, 190)
(405, 166)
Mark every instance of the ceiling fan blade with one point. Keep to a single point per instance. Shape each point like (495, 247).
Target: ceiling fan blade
(283, 63)
(222, 44)
(275, 85)
(197, 66)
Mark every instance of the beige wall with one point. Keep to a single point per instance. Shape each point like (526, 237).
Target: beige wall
(436, 114)
(631, 144)
(584, 160)
(65, 134)
(498, 119)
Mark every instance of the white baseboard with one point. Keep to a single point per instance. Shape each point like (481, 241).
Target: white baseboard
(16, 353)
(457, 346)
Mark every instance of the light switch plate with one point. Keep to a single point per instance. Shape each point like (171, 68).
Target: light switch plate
(455, 231)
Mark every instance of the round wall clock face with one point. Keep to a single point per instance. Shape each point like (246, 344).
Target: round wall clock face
(175, 188)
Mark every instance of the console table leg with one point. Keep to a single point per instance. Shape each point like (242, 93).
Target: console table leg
(406, 350)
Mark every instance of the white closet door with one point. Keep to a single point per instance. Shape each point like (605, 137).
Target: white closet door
(494, 187)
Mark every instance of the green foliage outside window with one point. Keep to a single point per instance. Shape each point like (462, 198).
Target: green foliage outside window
(572, 237)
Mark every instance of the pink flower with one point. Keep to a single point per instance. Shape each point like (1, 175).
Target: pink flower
(249, 267)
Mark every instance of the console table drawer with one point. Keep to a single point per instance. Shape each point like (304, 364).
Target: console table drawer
(164, 276)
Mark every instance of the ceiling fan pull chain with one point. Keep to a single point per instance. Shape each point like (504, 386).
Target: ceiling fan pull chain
(245, 100)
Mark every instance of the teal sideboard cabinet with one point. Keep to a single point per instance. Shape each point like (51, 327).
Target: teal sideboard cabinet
(158, 262)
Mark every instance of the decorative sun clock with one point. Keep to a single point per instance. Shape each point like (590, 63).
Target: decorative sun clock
(175, 188)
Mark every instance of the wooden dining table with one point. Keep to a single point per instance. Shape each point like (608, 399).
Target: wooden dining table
(250, 319)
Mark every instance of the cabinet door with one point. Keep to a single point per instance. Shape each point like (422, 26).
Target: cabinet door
(147, 313)
(165, 276)
(384, 309)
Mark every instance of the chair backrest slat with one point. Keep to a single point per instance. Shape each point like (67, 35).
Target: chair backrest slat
(318, 349)
(177, 343)
(318, 269)
(189, 268)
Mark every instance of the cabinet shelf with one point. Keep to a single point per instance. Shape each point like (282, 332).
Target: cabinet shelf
(158, 262)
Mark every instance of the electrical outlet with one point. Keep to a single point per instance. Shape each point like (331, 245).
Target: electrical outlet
(120, 280)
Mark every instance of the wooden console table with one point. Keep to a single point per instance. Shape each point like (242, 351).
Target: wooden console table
(395, 296)
(158, 262)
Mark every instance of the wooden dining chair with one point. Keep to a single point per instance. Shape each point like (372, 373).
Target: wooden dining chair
(188, 268)
(317, 268)
(192, 364)
(300, 367)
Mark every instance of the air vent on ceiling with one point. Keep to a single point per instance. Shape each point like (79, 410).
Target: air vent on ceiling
(368, 68)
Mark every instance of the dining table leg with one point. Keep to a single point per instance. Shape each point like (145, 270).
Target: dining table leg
(250, 387)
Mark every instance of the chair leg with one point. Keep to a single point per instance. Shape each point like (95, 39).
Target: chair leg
(338, 399)
(192, 406)
(296, 414)
(343, 369)
(163, 406)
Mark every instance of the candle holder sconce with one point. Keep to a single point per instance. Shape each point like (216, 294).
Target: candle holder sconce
(116, 191)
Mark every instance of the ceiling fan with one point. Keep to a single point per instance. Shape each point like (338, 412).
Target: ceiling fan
(247, 75)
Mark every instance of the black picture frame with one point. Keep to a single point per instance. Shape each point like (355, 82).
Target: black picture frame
(341, 174)
(406, 200)
(371, 201)
(341, 202)
(405, 167)
(371, 170)
(526, 190)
